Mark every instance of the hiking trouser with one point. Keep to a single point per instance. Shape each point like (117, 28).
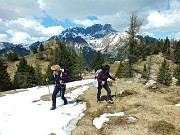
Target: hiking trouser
(106, 87)
(62, 92)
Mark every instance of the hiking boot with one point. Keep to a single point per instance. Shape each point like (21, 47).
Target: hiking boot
(98, 102)
(110, 101)
(53, 107)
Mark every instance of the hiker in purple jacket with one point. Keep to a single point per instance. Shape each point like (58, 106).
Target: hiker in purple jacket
(102, 82)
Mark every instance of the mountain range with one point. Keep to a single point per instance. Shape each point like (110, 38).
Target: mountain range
(96, 37)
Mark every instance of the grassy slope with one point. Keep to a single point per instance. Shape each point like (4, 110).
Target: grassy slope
(154, 110)
(31, 59)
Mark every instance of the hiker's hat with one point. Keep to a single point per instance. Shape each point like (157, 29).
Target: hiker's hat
(55, 68)
(106, 67)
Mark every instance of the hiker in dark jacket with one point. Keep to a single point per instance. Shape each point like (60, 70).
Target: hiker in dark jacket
(102, 82)
(59, 85)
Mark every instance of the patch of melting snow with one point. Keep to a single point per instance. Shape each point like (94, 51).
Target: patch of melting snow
(24, 116)
(131, 119)
(98, 121)
(177, 104)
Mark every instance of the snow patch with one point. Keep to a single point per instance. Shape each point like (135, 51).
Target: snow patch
(24, 113)
(98, 121)
(150, 82)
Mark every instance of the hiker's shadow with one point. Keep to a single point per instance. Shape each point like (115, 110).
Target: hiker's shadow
(74, 101)
(104, 97)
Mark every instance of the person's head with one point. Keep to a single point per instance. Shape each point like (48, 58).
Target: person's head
(106, 68)
(56, 69)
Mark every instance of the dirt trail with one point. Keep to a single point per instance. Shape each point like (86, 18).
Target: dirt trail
(155, 112)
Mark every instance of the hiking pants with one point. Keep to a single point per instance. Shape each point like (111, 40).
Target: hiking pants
(62, 92)
(106, 87)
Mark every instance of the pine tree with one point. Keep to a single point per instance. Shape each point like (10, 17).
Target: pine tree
(144, 74)
(98, 61)
(177, 53)
(25, 75)
(41, 48)
(135, 25)
(122, 70)
(38, 73)
(166, 48)
(5, 82)
(35, 51)
(41, 52)
(66, 58)
(146, 71)
(12, 56)
(177, 74)
(164, 75)
(80, 64)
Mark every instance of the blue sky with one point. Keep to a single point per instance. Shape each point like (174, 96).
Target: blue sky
(28, 21)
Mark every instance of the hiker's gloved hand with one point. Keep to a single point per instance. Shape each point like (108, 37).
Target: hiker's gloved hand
(47, 79)
(102, 83)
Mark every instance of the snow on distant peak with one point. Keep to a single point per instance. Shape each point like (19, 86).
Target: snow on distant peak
(2, 46)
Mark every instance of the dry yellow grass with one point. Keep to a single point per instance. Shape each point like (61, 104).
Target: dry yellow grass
(31, 60)
(147, 106)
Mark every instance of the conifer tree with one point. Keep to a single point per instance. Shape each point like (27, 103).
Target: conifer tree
(41, 48)
(35, 51)
(177, 74)
(166, 48)
(38, 73)
(5, 82)
(66, 58)
(177, 53)
(122, 70)
(145, 74)
(147, 69)
(25, 75)
(98, 61)
(80, 64)
(164, 75)
(12, 56)
(135, 25)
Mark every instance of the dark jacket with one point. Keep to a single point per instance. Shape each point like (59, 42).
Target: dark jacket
(57, 78)
(102, 76)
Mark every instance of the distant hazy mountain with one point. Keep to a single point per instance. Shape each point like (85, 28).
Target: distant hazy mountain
(20, 49)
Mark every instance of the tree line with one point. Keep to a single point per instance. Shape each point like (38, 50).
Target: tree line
(139, 49)
(27, 76)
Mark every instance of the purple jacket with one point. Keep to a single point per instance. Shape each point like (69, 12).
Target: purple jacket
(102, 76)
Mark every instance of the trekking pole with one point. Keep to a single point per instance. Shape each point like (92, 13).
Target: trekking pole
(116, 90)
(49, 92)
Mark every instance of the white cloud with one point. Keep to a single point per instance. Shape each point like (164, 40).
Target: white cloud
(164, 21)
(21, 15)
(41, 4)
(19, 37)
(13, 9)
(3, 37)
(29, 29)
(86, 22)
(50, 31)
(148, 33)
(175, 35)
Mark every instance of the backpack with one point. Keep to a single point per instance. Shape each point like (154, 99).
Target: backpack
(65, 72)
(97, 72)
